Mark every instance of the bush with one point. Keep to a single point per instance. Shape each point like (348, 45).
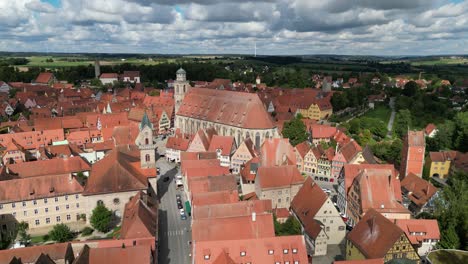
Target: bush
(87, 231)
(101, 218)
(61, 233)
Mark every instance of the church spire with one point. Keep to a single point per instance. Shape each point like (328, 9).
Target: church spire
(145, 122)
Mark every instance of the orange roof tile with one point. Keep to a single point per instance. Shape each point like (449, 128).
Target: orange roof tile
(232, 228)
(277, 151)
(44, 77)
(30, 254)
(231, 108)
(224, 143)
(221, 197)
(303, 148)
(278, 176)
(365, 261)
(419, 190)
(212, 184)
(49, 167)
(257, 250)
(241, 208)
(425, 228)
(322, 131)
(140, 217)
(374, 235)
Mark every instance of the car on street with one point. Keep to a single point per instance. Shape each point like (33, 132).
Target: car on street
(182, 211)
(179, 204)
(183, 217)
(178, 197)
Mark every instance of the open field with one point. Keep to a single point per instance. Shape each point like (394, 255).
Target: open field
(441, 61)
(448, 256)
(381, 112)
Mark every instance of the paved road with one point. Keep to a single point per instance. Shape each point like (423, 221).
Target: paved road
(392, 116)
(174, 233)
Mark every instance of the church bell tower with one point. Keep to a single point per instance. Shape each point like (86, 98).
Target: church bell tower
(145, 143)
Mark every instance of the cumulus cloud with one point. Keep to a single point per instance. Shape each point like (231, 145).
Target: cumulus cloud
(232, 26)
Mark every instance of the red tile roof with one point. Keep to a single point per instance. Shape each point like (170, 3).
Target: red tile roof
(118, 255)
(109, 76)
(374, 235)
(44, 77)
(350, 150)
(426, 229)
(38, 187)
(232, 228)
(306, 205)
(140, 218)
(31, 254)
(117, 173)
(49, 167)
(178, 142)
(256, 250)
(224, 143)
(33, 139)
(429, 128)
(212, 184)
(277, 151)
(303, 148)
(351, 171)
(243, 110)
(241, 208)
(322, 131)
(416, 138)
(278, 176)
(442, 156)
(365, 261)
(221, 197)
(419, 190)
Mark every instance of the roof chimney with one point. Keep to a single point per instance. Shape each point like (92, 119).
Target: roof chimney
(254, 216)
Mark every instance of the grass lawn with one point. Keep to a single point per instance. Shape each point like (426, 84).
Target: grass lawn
(381, 112)
(443, 61)
(39, 239)
(448, 256)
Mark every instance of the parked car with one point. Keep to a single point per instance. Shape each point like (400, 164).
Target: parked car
(178, 197)
(182, 211)
(183, 217)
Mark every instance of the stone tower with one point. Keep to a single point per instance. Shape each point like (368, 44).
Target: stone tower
(97, 69)
(181, 86)
(145, 143)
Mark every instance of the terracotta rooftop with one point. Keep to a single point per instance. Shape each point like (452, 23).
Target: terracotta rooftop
(212, 184)
(306, 205)
(38, 187)
(140, 218)
(109, 76)
(44, 77)
(283, 249)
(417, 230)
(278, 176)
(49, 167)
(322, 131)
(303, 148)
(351, 171)
(277, 151)
(429, 128)
(232, 228)
(365, 261)
(419, 190)
(116, 255)
(442, 156)
(416, 138)
(350, 150)
(118, 172)
(231, 108)
(56, 252)
(224, 143)
(241, 208)
(220, 197)
(178, 142)
(374, 235)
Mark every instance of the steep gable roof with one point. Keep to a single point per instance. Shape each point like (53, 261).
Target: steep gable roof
(306, 205)
(419, 190)
(278, 176)
(140, 217)
(374, 235)
(116, 173)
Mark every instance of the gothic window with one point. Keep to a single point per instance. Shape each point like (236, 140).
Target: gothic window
(146, 141)
(147, 157)
(257, 140)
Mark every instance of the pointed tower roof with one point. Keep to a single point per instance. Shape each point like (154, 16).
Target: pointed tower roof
(108, 109)
(180, 71)
(145, 122)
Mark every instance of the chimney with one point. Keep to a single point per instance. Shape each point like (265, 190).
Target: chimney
(254, 216)
(70, 177)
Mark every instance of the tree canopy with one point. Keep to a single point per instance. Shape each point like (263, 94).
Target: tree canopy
(288, 228)
(295, 130)
(61, 233)
(101, 218)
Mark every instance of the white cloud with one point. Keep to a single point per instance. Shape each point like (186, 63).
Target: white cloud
(209, 26)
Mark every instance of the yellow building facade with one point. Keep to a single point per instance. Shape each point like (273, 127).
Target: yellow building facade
(314, 112)
(401, 249)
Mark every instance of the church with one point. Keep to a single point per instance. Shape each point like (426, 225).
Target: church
(237, 114)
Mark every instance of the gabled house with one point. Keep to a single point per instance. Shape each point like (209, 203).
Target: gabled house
(301, 151)
(349, 153)
(378, 237)
(247, 175)
(418, 194)
(4, 87)
(430, 130)
(175, 145)
(422, 233)
(278, 183)
(224, 146)
(245, 152)
(45, 78)
(201, 141)
(321, 222)
(109, 78)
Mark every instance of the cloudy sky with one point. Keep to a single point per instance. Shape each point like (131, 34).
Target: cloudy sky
(357, 27)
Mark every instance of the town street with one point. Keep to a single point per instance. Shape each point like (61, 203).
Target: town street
(174, 233)
(392, 117)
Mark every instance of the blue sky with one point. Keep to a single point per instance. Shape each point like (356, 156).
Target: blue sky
(358, 27)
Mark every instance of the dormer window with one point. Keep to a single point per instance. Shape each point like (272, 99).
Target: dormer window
(294, 250)
(243, 253)
(207, 257)
(271, 251)
(285, 251)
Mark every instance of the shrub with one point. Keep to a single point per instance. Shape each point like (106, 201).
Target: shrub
(87, 231)
(61, 233)
(101, 218)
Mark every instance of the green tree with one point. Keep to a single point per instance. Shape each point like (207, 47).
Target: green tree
(61, 233)
(461, 134)
(23, 235)
(101, 218)
(154, 93)
(96, 82)
(449, 238)
(402, 122)
(411, 88)
(288, 228)
(295, 130)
